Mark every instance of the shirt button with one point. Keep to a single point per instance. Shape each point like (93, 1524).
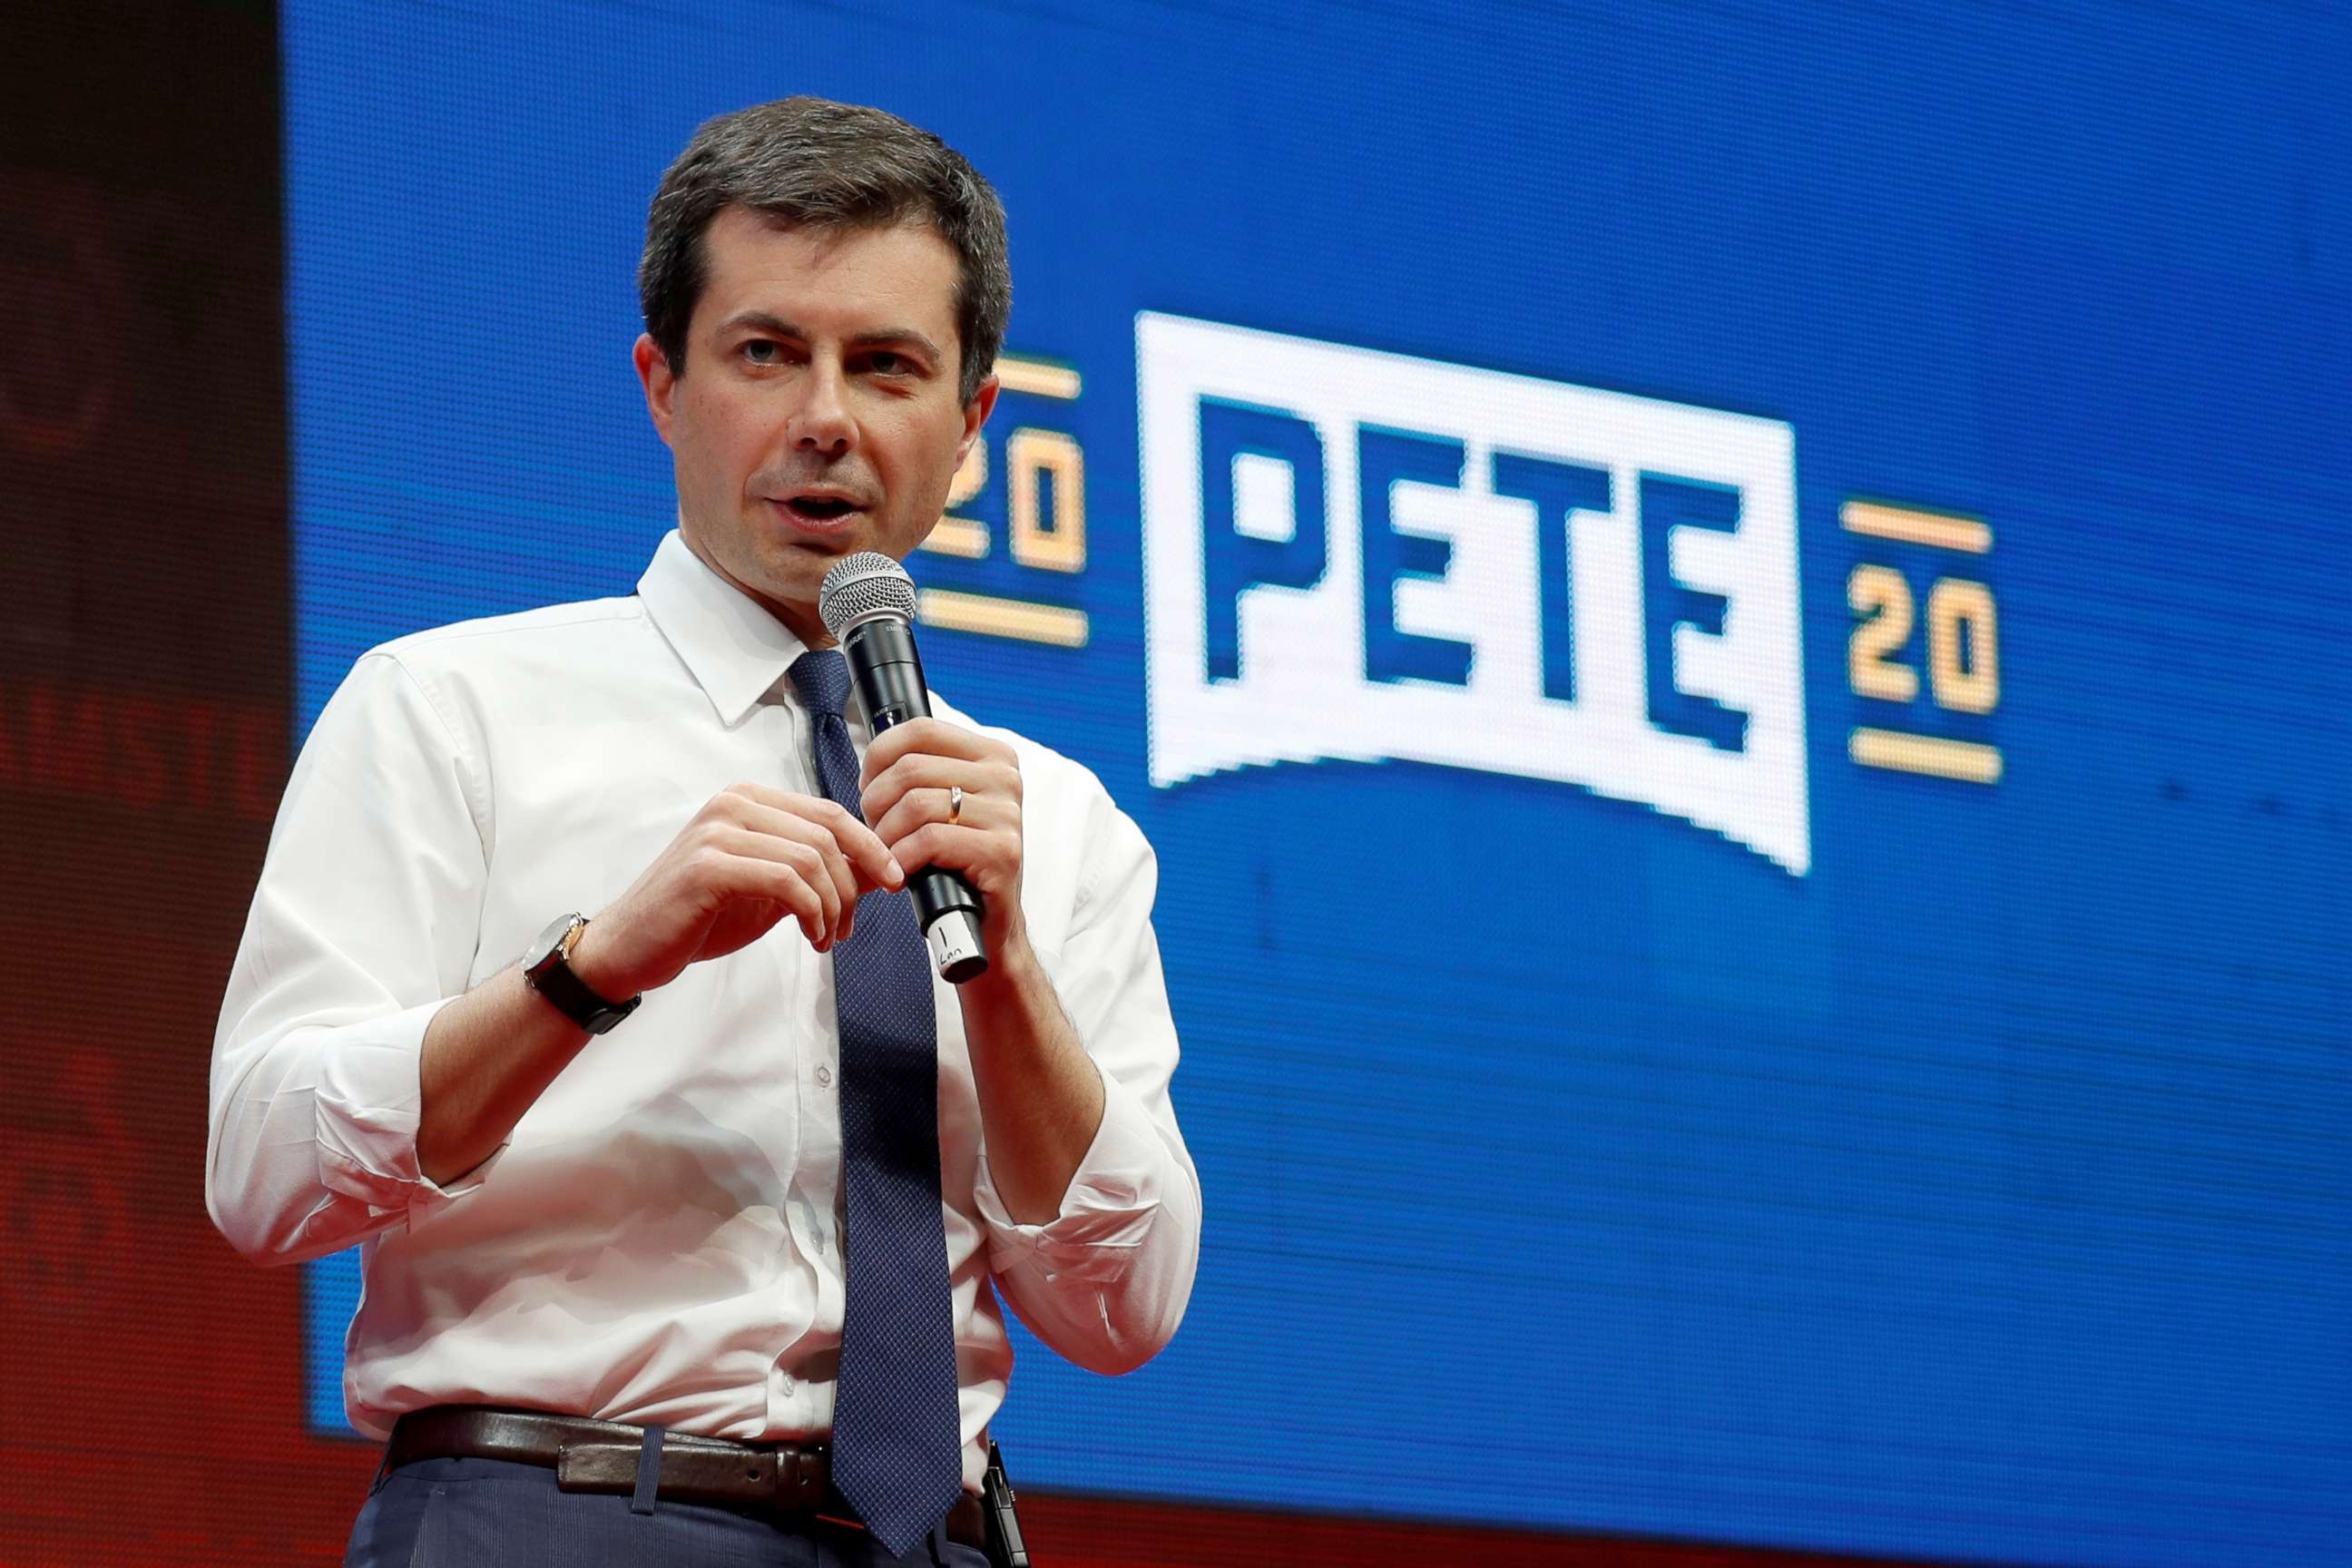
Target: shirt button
(823, 1078)
(784, 1382)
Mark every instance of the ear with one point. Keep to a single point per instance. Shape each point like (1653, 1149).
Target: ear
(660, 386)
(975, 415)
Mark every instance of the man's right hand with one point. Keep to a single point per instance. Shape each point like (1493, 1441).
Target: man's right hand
(751, 857)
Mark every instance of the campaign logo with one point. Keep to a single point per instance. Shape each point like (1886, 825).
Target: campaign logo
(1350, 554)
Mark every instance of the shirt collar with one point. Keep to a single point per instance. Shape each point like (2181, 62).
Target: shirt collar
(736, 648)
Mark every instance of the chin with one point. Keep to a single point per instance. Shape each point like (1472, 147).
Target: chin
(796, 579)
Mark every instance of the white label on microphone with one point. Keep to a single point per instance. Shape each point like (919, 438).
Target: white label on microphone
(1357, 555)
(954, 938)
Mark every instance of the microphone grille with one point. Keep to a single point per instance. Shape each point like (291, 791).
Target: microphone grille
(858, 587)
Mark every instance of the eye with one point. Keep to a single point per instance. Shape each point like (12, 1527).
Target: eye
(761, 350)
(885, 362)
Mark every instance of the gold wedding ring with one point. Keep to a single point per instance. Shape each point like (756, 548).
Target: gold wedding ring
(955, 803)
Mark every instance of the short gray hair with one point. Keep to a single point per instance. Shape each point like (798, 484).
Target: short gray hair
(809, 160)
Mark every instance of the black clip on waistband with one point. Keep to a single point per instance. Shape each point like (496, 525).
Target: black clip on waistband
(1005, 1547)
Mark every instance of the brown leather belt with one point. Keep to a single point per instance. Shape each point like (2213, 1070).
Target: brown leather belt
(591, 1456)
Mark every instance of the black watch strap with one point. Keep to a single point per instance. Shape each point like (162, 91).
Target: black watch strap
(551, 975)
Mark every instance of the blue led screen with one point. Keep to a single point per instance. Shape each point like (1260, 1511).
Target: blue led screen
(1730, 621)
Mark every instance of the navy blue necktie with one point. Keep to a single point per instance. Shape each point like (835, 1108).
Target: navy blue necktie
(898, 1438)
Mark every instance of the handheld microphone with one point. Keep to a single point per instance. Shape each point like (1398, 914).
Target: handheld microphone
(867, 602)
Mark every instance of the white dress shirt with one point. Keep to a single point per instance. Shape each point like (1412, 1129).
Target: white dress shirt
(659, 1239)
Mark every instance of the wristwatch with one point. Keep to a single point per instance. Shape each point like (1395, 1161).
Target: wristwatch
(545, 966)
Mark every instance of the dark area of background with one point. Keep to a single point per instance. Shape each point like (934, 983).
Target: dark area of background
(150, 1380)
(143, 681)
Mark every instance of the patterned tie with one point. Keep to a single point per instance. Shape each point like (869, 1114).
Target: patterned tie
(896, 1430)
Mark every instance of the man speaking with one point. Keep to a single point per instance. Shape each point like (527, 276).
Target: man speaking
(580, 988)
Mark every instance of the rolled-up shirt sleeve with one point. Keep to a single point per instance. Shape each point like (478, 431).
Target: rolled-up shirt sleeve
(363, 926)
(1104, 1281)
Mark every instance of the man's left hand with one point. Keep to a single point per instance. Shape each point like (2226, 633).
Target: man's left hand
(911, 771)
(1041, 1098)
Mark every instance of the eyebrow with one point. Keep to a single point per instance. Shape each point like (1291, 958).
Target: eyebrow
(884, 337)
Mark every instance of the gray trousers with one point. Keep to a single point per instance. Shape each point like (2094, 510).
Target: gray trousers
(489, 1513)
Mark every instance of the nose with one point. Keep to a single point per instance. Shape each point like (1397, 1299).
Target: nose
(821, 423)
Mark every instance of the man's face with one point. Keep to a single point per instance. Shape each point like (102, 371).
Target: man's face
(817, 416)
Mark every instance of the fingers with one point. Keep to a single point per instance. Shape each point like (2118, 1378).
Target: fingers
(911, 771)
(983, 841)
(921, 806)
(827, 836)
(811, 878)
(918, 773)
(937, 738)
(742, 864)
(866, 852)
(819, 856)
(990, 859)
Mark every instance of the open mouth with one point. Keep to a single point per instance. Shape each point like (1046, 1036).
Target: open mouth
(818, 509)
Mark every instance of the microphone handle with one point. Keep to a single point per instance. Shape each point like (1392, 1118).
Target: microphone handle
(889, 676)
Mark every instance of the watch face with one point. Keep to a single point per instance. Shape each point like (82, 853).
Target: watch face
(539, 952)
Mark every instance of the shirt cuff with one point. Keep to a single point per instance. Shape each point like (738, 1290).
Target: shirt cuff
(369, 1101)
(1107, 1211)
